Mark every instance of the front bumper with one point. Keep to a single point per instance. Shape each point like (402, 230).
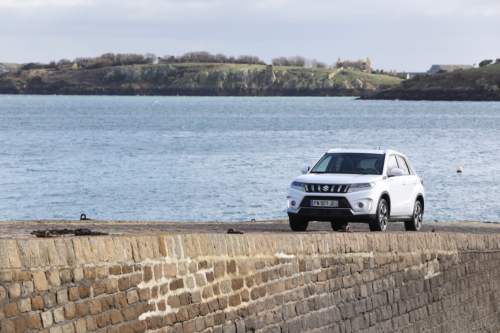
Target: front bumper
(332, 215)
(349, 210)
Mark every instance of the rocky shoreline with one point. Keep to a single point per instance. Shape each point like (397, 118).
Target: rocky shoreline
(434, 95)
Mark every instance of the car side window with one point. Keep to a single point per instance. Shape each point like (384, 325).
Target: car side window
(402, 165)
(391, 163)
(410, 166)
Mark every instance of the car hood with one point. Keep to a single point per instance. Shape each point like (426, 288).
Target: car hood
(336, 178)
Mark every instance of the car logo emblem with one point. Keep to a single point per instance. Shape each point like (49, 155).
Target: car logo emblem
(325, 188)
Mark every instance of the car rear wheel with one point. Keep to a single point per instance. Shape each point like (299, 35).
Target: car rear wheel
(380, 221)
(415, 224)
(298, 223)
(336, 226)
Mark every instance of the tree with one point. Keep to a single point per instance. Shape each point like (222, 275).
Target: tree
(497, 61)
(150, 58)
(63, 62)
(485, 63)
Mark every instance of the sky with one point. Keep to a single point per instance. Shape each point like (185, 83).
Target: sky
(405, 35)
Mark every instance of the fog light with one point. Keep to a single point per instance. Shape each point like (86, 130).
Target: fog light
(361, 205)
(293, 203)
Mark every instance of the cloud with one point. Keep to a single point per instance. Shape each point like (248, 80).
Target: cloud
(397, 34)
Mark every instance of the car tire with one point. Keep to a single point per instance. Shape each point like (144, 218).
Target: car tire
(382, 217)
(336, 226)
(297, 223)
(415, 224)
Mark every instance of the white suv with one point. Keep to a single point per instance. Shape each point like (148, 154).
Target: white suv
(370, 186)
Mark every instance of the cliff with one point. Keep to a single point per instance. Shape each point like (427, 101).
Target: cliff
(195, 79)
(478, 84)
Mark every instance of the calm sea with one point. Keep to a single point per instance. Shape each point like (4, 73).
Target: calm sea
(229, 159)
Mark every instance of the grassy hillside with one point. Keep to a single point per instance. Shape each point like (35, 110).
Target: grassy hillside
(477, 84)
(484, 78)
(195, 79)
(7, 67)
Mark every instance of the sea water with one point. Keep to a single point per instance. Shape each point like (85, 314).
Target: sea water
(229, 158)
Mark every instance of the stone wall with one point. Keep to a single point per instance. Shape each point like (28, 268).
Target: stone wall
(251, 283)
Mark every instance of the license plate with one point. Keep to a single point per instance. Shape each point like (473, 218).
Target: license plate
(324, 203)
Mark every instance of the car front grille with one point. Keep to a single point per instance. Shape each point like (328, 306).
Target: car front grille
(326, 188)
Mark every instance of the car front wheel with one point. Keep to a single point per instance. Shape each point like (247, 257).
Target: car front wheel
(380, 221)
(415, 224)
(297, 223)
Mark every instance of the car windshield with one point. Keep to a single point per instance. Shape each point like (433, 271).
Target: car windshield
(358, 163)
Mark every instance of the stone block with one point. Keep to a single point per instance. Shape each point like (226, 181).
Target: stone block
(66, 275)
(53, 277)
(116, 317)
(91, 324)
(124, 283)
(37, 303)
(89, 273)
(120, 300)
(196, 297)
(102, 320)
(81, 326)
(82, 310)
(132, 296)
(8, 327)
(11, 310)
(129, 313)
(24, 305)
(111, 286)
(59, 315)
(106, 303)
(62, 297)
(40, 281)
(237, 284)
(176, 284)
(56, 329)
(73, 294)
(84, 291)
(234, 300)
(3, 293)
(47, 319)
(15, 290)
(115, 270)
(161, 305)
(135, 279)
(77, 275)
(94, 306)
(34, 322)
(68, 328)
(145, 294)
(139, 327)
(210, 276)
(2, 313)
(174, 301)
(21, 324)
(70, 311)
(49, 300)
(98, 288)
(182, 315)
(223, 301)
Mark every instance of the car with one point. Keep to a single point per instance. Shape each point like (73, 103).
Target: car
(351, 185)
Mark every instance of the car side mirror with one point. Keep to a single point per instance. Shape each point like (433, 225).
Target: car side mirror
(305, 170)
(396, 172)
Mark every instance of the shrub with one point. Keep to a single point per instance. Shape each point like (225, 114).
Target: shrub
(99, 63)
(485, 63)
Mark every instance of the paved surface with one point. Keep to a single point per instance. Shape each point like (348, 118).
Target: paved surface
(22, 229)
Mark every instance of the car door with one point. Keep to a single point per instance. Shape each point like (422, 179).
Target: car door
(395, 187)
(407, 180)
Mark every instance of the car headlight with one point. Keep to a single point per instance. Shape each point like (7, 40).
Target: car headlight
(361, 187)
(298, 186)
